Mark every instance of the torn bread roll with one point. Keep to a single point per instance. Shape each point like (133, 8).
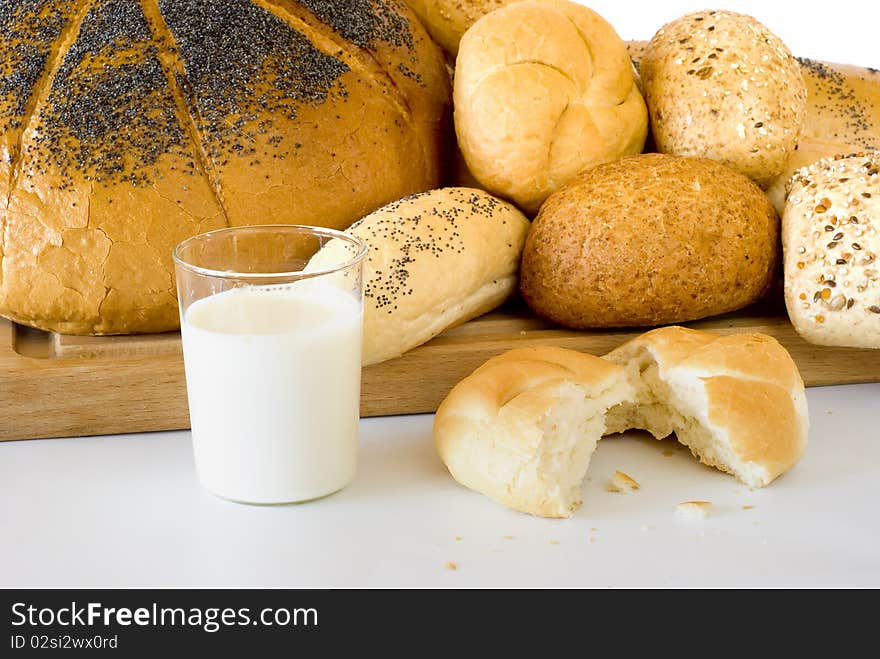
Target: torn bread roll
(436, 260)
(831, 241)
(522, 428)
(737, 402)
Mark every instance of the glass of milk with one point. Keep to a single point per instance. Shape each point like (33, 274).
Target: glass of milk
(272, 349)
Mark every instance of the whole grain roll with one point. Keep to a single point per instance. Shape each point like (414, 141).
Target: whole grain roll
(128, 126)
(720, 85)
(831, 241)
(543, 91)
(436, 260)
(650, 240)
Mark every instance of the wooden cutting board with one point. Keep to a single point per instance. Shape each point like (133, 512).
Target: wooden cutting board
(61, 386)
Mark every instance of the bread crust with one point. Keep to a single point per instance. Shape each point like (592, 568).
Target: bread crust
(543, 91)
(650, 240)
(748, 390)
(331, 123)
(448, 20)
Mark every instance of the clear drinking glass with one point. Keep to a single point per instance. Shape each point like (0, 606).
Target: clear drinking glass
(272, 350)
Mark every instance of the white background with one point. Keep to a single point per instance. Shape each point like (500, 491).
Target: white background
(128, 511)
(834, 31)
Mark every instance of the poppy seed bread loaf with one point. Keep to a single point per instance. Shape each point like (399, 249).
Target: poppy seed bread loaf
(127, 126)
(650, 240)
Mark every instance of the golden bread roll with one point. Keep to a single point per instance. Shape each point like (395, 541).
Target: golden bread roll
(522, 428)
(720, 85)
(436, 260)
(543, 91)
(650, 240)
(737, 402)
(447, 20)
(128, 126)
(831, 242)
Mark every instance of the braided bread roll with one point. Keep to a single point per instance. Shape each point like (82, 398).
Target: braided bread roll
(543, 91)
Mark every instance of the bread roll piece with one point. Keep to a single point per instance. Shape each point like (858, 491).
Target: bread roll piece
(436, 260)
(448, 20)
(522, 428)
(543, 91)
(831, 242)
(720, 85)
(737, 402)
(650, 240)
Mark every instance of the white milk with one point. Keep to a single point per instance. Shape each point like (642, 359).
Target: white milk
(273, 377)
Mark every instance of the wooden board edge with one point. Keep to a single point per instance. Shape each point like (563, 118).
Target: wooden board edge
(145, 393)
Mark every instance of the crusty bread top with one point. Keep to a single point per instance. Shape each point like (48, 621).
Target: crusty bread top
(499, 382)
(751, 356)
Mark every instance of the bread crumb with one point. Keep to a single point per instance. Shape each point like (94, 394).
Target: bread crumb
(554, 542)
(451, 566)
(458, 538)
(508, 537)
(748, 507)
(592, 539)
(668, 453)
(523, 332)
(693, 510)
(622, 482)
(593, 529)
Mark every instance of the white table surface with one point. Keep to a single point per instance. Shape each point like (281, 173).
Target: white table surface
(127, 510)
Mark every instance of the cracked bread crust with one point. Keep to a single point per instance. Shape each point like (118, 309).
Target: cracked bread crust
(138, 123)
